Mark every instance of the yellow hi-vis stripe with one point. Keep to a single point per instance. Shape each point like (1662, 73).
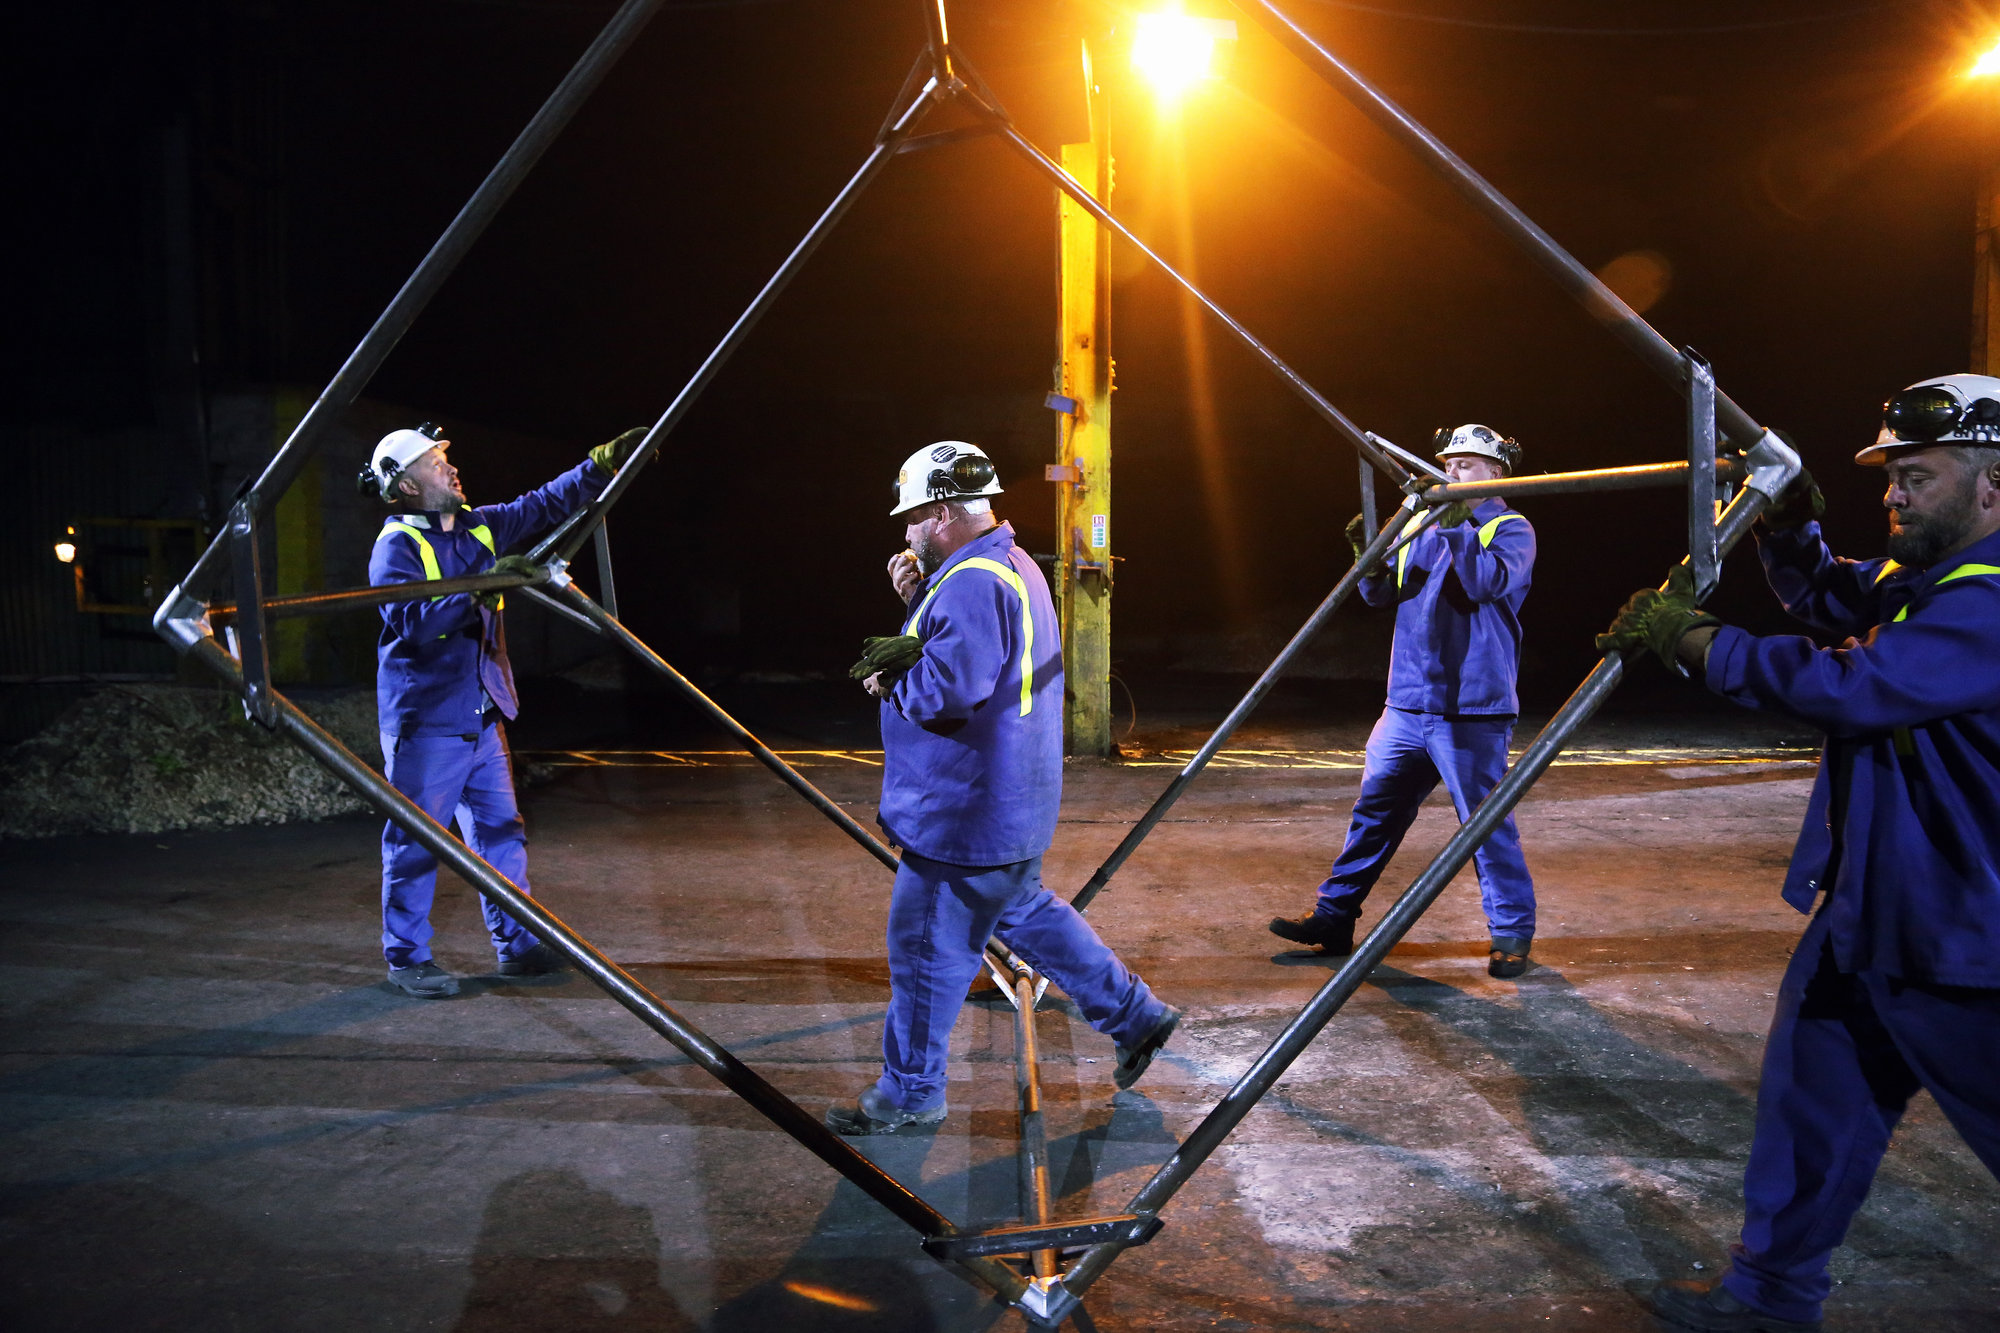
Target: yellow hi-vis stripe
(1962, 572)
(429, 556)
(1493, 526)
(1013, 580)
(1906, 744)
(1486, 532)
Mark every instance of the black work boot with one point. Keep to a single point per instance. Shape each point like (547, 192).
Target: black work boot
(539, 961)
(1508, 957)
(1333, 934)
(872, 1114)
(1715, 1310)
(425, 981)
(1133, 1060)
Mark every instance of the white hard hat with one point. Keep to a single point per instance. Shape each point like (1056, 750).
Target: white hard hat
(1481, 441)
(1949, 409)
(396, 451)
(947, 470)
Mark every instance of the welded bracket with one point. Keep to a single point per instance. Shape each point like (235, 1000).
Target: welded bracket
(252, 642)
(1703, 558)
(1124, 1229)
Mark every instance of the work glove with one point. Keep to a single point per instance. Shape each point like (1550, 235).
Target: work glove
(1455, 513)
(506, 564)
(1657, 620)
(612, 455)
(1799, 504)
(1357, 535)
(891, 655)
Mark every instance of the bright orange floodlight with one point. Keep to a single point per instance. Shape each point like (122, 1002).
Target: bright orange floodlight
(1986, 65)
(1176, 51)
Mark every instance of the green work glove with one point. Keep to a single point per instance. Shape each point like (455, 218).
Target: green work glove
(1800, 504)
(1357, 535)
(612, 456)
(1657, 620)
(1455, 513)
(506, 564)
(891, 655)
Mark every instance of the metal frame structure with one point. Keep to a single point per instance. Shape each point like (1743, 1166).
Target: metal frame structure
(1038, 1281)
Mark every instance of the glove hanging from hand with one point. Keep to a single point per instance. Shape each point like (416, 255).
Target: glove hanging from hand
(612, 455)
(1357, 535)
(1657, 619)
(1799, 504)
(891, 655)
(506, 564)
(1455, 513)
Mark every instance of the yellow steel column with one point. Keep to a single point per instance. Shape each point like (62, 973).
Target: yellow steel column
(1083, 466)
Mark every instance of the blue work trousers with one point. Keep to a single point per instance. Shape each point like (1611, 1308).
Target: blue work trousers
(1407, 754)
(1846, 1053)
(470, 778)
(940, 916)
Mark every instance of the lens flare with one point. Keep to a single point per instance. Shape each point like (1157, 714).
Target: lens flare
(1176, 51)
(1986, 65)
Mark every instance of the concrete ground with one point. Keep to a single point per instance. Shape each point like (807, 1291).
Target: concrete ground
(217, 1116)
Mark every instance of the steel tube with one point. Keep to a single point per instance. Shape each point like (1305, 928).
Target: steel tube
(575, 530)
(607, 584)
(739, 1078)
(1034, 1134)
(1376, 550)
(1602, 303)
(1638, 477)
(1070, 186)
(381, 594)
(444, 256)
(1395, 923)
(616, 631)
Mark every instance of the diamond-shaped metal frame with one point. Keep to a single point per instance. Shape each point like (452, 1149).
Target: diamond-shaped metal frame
(1038, 1282)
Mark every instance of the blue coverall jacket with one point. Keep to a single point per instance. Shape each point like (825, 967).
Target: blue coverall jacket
(436, 657)
(1903, 828)
(972, 734)
(1458, 593)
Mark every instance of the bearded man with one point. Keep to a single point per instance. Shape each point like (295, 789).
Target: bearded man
(1895, 986)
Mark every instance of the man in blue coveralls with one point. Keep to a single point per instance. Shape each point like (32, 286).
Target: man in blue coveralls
(1895, 985)
(972, 723)
(1457, 589)
(443, 686)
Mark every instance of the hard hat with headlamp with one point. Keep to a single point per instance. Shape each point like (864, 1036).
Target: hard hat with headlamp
(396, 451)
(1950, 409)
(947, 470)
(1478, 441)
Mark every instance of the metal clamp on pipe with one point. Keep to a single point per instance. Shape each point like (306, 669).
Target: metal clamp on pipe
(1773, 464)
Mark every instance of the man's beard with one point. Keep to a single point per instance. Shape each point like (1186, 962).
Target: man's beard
(1919, 543)
(926, 552)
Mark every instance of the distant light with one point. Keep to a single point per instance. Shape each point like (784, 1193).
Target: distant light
(66, 551)
(839, 1300)
(1987, 64)
(1176, 51)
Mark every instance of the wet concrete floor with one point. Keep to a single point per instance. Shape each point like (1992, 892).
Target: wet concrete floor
(217, 1116)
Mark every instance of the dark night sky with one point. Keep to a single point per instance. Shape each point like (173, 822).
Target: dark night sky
(1809, 183)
